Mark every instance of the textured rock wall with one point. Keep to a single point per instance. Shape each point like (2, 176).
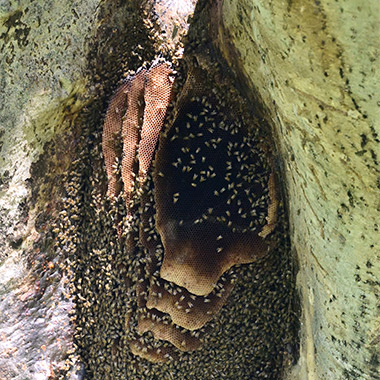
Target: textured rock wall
(51, 54)
(43, 48)
(39, 43)
(315, 65)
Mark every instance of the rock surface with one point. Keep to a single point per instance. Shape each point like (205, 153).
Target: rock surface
(43, 49)
(315, 66)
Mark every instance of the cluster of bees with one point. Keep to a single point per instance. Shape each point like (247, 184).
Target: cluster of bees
(189, 275)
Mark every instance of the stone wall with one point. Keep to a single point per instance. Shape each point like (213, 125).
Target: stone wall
(312, 64)
(315, 66)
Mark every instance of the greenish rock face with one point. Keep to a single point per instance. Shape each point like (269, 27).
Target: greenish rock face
(315, 66)
(43, 55)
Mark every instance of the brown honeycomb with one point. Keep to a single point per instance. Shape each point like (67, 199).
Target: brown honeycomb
(111, 136)
(158, 86)
(130, 130)
(208, 204)
(133, 122)
(187, 310)
(200, 248)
